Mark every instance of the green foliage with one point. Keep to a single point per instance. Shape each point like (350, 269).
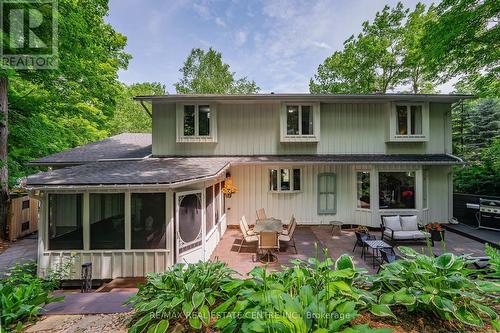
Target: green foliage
(441, 285)
(205, 73)
(130, 117)
(482, 175)
(22, 295)
(185, 293)
(494, 261)
(53, 110)
(464, 40)
(385, 55)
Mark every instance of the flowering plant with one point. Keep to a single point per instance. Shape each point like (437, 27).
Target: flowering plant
(362, 229)
(434, 226)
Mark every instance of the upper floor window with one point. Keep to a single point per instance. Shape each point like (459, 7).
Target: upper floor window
(300, 123)
(409, 122)
(285, 180)
(196, 123)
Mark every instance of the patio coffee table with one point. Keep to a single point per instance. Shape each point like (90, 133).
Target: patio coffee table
(375, 245)
(269, 224)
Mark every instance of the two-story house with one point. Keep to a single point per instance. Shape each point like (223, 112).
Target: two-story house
(138, 203)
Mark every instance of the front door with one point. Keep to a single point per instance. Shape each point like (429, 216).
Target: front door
(189, 227)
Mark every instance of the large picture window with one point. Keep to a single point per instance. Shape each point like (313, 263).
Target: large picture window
(363, 189)
(327, 193)
(148, 221)
(285, 180)
(65, 222)
(107, 221)
(397, 190)
(209, 208)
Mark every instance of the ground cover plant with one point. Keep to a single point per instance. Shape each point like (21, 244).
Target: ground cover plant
(22, 295)
(443, 285)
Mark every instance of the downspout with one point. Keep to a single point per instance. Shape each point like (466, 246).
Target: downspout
(146, 109)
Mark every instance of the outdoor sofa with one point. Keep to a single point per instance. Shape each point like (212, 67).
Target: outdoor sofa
(400, 228)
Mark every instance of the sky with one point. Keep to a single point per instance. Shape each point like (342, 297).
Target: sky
(277, 43)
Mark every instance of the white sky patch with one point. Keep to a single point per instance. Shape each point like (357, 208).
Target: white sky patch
(321, 45)
(220, 22)
(241, 37)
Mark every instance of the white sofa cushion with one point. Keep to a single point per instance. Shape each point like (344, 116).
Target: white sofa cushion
(405, 235)
(409, 223)
(392, 222)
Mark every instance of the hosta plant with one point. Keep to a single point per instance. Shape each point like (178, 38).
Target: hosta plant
(22, 295)
(183, 295)
(442, 285)
(314, 296)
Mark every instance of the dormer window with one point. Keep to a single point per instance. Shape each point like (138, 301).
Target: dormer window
(300, 122)
(409, 122)
(196, 123)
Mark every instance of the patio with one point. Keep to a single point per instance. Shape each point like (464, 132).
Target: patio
(307, 236)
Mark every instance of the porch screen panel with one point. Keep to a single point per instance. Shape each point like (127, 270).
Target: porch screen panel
(217, 202)
(107, 221)
(190, 232)
(397, 190)
(65, 222)
(209, 208)
(148, 221)
(327, 195)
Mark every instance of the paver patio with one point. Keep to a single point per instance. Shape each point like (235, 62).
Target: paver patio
(307, 236)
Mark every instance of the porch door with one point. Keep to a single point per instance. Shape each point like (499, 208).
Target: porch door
(190, 233)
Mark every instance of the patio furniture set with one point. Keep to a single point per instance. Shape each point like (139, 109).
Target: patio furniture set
(268, 233)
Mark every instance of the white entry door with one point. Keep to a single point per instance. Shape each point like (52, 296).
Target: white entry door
(190, 233)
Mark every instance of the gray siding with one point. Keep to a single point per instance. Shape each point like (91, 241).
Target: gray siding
(253, 129)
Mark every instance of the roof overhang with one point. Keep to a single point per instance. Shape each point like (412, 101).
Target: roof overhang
(323, 98)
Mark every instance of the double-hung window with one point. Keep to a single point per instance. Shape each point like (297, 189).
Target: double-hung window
(327, 193)
(285, 180)
(196, 123)
(300, 122)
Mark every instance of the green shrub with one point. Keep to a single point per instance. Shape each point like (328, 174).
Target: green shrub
(442, 285)
(22, 295)
(184, 294)
(494, 261)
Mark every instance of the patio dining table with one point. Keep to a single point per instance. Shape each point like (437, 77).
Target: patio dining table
(269, 224)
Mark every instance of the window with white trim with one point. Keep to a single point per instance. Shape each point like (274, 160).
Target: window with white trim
(300, 122)
(196, 123)
(285, 180)
(409, 122)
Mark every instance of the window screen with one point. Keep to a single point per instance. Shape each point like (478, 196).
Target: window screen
(307, 120)
(204, 120)
(292, 120)
(107, 221)
(148, 221)
(189, 120)
(209, 208)
(65, 222)
(217, 203)
(327, 193)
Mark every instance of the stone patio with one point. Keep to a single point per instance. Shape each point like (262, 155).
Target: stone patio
(307, 236)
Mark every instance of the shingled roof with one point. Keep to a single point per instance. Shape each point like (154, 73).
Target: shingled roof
(171, 170)
(122, 146)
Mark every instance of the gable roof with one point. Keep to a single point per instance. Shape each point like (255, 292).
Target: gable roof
(305, 97)
(121, 146)
(172, 170)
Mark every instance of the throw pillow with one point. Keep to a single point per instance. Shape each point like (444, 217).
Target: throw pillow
(392, 222)
(409, 223)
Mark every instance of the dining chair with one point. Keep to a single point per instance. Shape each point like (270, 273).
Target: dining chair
(360, 241)
(247, 238)
(261, 214)
(268, 241)
(287, 235)
(249, 229)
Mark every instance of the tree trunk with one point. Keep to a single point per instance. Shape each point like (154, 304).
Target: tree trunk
(4, 171)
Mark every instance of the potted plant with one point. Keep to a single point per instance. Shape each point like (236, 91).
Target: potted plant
(436, 231)
(362, 229)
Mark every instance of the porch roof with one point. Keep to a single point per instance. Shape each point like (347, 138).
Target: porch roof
(174, 170)
(122, 146)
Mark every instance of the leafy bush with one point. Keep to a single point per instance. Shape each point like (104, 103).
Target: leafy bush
(183, 294)
(494, 261)
(319, 296)
(22, 295)
(314, 296)
(441, 285)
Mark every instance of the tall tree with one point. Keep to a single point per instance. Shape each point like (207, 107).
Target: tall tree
(51, 110)
(463, 40)
(206, 73)
(386, 55)
(130, 115)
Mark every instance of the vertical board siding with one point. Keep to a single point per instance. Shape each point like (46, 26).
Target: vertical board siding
(17, 216)
(254, 129)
